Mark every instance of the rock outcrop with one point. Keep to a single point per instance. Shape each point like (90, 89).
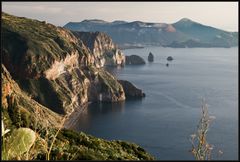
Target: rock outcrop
(150, 57)
(54, 66)
(103, 49)
(131, 91)
(169, 58)
(134, 60)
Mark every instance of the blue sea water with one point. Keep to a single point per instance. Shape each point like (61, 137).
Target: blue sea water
(163, 121)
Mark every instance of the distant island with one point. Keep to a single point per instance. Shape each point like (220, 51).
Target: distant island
(184, 33)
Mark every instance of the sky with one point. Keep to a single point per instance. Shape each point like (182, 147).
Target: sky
(222, 15)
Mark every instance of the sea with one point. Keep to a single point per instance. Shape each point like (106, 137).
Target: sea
(164, 120)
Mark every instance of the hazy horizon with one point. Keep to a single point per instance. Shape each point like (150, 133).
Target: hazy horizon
(60, 13)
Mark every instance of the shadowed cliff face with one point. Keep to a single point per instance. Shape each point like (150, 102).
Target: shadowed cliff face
(14, 100)
(54, 66)
(102, 48)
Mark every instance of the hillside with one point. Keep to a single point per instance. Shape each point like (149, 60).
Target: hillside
(47, 73)
(50, 62)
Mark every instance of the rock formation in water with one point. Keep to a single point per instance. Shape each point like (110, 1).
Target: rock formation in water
(103, 49)
(169, 58)
(47, 68)
(134, 60)
(150, 57)
(131, 91)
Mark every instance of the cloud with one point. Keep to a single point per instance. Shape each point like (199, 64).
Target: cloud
(32, 9)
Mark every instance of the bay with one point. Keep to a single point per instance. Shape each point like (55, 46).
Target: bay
(163, 121)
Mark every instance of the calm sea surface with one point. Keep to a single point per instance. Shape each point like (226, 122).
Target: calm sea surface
(163, 121)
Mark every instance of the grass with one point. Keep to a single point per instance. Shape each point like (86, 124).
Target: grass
(201, 149)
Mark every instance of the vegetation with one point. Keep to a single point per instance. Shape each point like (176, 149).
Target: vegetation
(201, 149)
(49, 62)
(31, 131)
(63, 144)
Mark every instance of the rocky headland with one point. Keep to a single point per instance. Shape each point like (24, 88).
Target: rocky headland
(131, 91)
(48, 72)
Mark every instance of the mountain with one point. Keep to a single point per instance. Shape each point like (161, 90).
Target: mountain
(47, 74)
(206, 34)
(161, 34)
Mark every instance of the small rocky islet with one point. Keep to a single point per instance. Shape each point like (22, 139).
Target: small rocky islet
(169, 58)
(134, 60)
(150, 57)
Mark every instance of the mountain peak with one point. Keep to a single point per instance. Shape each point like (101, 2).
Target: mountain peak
(185, 20)
(95, 21)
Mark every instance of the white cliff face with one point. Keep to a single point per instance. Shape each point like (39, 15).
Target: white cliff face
(60, 67)
(103, 49)
(76, 86)
(69, 80)
(78, 91)
(119, 57)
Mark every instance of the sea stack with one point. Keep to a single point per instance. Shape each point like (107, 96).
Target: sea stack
(169, 58)
(150, 57)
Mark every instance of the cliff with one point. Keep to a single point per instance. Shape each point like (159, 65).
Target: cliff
(16, 102)
(101, 46)
(50, 62)
(48, 72)
(131, 91)
(19, 110)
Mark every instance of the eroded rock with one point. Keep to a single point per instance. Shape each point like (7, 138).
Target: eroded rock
(131, 91)
(134, 60)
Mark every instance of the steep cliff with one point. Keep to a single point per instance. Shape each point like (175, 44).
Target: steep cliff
(102, 48)
(19, 110)
(16, 102)
(47, 68)
(50, 62)
(131, 91)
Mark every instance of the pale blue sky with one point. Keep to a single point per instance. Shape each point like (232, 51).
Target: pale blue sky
(223, 15)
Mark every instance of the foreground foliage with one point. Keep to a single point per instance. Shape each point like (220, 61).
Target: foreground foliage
(201, 149)
(32, 132)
